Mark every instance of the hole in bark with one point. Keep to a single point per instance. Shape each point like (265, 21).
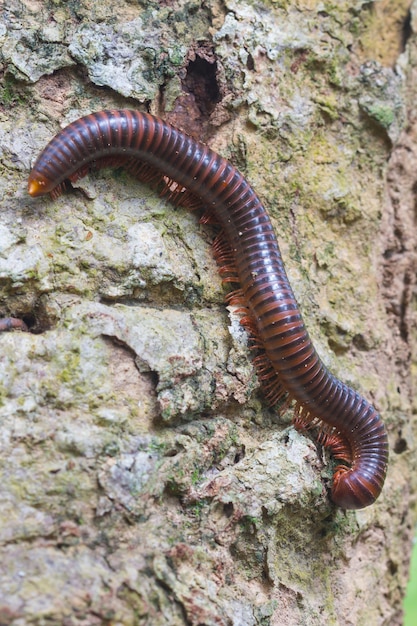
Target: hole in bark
(197, 109)
(201, 81)
(414, 190)
(400, 445)
(228, 509)
(404, 307)
(29, 320)
(240, 454)
(406, 31)
(154, 378)
(250, 63)
(360, 342)
(36, 321)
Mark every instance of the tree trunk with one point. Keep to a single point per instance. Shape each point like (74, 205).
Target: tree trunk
(144, 478)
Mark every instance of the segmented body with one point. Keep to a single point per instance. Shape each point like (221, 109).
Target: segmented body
(247, 251)
(12, 323)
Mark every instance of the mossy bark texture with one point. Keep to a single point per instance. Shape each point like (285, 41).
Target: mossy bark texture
(143, 478)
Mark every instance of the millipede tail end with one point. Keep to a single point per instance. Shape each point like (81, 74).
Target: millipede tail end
(350, 490)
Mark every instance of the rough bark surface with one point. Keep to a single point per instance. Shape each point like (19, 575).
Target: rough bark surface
(143, 479)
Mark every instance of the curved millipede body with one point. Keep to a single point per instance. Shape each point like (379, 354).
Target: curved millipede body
(248, 254)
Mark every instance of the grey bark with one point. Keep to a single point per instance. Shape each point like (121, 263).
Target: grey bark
(144, 480)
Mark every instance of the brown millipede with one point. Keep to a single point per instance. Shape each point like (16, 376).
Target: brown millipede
(189, 173)
(12, 323)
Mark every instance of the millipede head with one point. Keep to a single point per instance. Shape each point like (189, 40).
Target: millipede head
(38, 185)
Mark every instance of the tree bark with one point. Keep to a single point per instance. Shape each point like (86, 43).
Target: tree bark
(144, 479)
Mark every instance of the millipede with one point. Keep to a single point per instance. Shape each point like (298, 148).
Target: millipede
(12, 323)
(190, 174)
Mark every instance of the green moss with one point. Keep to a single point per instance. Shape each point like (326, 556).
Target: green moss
(249, 523)
(382, 114)
(10, 93)
(197, 508)
(328, 105)
(196, 476)
(157, 446)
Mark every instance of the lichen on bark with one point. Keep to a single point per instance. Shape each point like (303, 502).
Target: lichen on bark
(143, 478)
